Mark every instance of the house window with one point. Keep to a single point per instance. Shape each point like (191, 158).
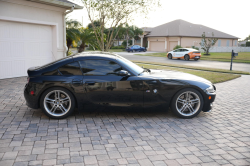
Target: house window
(235, 42)
(228, 43)
(219, 43)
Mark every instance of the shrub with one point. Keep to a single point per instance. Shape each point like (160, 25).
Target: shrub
(196, 48)
(118, 47)
(248, 44)
(177, 47)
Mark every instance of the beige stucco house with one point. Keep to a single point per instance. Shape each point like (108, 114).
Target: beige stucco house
(32, 33)
(165, 37)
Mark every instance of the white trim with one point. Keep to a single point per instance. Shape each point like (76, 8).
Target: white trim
(165, 43)
(148, 43)
(141, 41)
(37, 5)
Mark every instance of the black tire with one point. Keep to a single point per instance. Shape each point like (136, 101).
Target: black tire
(196, 59)
(128, 51)
(198, 106)
(70, 104)
(186, 57)
(144, 50)
(169, 56)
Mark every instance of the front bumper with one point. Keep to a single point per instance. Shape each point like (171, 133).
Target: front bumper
(208, 103)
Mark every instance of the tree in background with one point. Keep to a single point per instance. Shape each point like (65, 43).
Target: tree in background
(96, 23)
(207, 43)
(114, 14)
(129, 33)
(72, 32)
(86, 36)
(137, 32)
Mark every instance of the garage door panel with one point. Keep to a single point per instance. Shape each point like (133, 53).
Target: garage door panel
(4, 48)
(5, 69)
(16, 31)
(173, 44)
(18, 68)
(157, 46)
(17, 49)
(22, 46)
(4, 31)
(34, 49)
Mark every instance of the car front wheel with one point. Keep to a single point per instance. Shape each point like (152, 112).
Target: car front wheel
(187, 103)
(169, 56)
(57, 103)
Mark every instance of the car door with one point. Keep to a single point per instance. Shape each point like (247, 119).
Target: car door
(176, 53)
(184, 52)
(104, 86)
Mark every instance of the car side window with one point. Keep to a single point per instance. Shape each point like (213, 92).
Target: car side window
(177, 50)
(71, 69)
(99, 67)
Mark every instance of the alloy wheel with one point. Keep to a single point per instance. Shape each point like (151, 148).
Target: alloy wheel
(188, 103)
(57, 103)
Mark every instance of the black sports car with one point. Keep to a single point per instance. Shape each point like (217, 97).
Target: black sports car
(110, 80)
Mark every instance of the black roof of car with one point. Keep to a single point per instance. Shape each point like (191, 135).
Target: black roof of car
(96, 54)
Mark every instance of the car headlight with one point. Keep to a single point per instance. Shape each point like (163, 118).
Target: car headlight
(210, 89)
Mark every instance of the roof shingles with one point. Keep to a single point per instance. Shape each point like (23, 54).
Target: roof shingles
(186, 29)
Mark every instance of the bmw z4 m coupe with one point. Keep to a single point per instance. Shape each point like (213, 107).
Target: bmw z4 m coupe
(98, 78)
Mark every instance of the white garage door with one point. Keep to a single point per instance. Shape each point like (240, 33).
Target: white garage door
(23, 46)
(157, 46)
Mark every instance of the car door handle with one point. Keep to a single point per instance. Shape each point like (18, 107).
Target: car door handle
(76, 82)
(90, 82)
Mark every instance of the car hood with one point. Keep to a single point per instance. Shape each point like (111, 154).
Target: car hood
(175, 75)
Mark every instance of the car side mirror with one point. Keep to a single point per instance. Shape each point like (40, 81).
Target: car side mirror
(123, 73)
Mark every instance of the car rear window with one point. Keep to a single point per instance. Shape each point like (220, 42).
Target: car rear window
(71, 69)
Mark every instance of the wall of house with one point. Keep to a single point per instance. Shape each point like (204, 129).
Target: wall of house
(189, 42)
(40, 14)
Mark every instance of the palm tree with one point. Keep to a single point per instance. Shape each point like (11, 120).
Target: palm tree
(129, 32)
(137, 32)
(71, 31)
(86, 36)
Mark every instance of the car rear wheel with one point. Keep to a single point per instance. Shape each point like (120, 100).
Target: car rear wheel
(145, 50)
(57, 103)
(187, 103)
(169, 56)
(186, 57)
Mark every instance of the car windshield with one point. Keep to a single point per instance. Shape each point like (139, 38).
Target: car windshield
(130, 65)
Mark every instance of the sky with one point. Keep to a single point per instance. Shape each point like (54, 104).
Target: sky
(228, 16)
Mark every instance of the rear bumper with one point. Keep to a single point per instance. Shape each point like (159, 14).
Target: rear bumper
(31, 100)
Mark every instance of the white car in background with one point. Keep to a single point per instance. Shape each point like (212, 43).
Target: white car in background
(184, 53)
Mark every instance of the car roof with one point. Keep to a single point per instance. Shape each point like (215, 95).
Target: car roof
(95, 54)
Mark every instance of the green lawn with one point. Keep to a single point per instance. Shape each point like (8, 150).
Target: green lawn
(214, 77)
(243, 57)
(193, 68)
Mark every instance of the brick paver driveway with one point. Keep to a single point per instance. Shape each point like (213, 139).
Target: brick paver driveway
(122, 137)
